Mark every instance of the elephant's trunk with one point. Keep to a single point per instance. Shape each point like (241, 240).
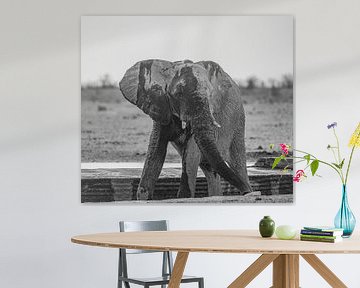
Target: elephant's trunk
(206, 140)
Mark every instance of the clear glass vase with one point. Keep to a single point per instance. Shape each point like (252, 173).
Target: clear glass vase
(345, 219)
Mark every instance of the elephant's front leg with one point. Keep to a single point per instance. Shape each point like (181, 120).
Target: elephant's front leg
(190, 162)
(155, 158)
(213, 181)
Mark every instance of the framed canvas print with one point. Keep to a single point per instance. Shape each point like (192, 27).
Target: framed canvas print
(186, 109)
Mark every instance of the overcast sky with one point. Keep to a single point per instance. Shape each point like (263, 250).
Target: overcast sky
(242, 45)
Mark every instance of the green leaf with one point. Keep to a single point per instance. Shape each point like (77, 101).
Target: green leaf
(286, 169)
(307, 157)
(339, 166)
(336, 165)
(276, 161)
(314, 166)
(271, 146)
(342, 163)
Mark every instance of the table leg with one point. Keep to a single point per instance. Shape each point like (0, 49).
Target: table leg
(286, 271)
(253, 270)
(324, 271)
(178, 269)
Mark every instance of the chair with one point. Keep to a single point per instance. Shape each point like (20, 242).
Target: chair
(167, 262)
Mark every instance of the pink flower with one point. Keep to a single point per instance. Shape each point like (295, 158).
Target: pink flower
(284, 148)
(299, 175)
(300, 172)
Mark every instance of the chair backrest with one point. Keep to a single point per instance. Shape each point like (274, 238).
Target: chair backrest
(134, 226)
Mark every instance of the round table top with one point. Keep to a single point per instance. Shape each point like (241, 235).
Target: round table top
(219, 241)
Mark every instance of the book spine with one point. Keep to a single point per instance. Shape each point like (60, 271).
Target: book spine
(318, 236)
(320, 233)
(317, 239)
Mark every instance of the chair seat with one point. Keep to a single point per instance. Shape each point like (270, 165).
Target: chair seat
(158, 280)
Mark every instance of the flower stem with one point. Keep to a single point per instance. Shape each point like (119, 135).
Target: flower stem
(338, 145)
(348, 167)
(323, 162)
(333, 152)
(339, 155)
(304, 152)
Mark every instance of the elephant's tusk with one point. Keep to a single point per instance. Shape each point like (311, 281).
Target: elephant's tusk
(216, 124)
(183, 125)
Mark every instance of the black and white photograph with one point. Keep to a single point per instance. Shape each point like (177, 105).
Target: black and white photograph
(186, 109)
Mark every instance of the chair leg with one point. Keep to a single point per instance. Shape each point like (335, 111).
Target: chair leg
(120, 270)
(164, 266)
(201, 283)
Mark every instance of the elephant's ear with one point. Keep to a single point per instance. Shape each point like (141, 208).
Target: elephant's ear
(145, 85)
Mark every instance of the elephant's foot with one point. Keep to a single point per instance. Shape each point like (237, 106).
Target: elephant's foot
(184, 189)
(214, 183)
(215, 189)
(245, 189)
(183, 193)
(143, 194)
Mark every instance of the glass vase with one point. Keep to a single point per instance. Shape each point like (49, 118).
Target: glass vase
(345, 219)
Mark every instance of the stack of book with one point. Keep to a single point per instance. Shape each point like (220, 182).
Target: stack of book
(321, 234)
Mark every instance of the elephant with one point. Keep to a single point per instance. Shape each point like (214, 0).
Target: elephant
(198, 109)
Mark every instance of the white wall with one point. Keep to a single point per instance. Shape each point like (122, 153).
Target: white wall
(40, 142)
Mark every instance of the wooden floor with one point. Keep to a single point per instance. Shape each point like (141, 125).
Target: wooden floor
(119, 182)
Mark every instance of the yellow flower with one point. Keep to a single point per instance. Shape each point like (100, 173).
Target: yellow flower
(355, 138)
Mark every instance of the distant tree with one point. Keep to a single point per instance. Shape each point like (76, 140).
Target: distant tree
(287, 81)
(106, 81)
(252, 82)
(272, 83)
(241, 83)
(90, 85)
(274, 87)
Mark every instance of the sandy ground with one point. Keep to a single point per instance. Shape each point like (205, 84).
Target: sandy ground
(114, 130)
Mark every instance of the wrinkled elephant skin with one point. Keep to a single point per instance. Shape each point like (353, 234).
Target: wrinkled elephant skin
(197, 108)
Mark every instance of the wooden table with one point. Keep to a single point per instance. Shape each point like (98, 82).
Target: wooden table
(284, 254)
